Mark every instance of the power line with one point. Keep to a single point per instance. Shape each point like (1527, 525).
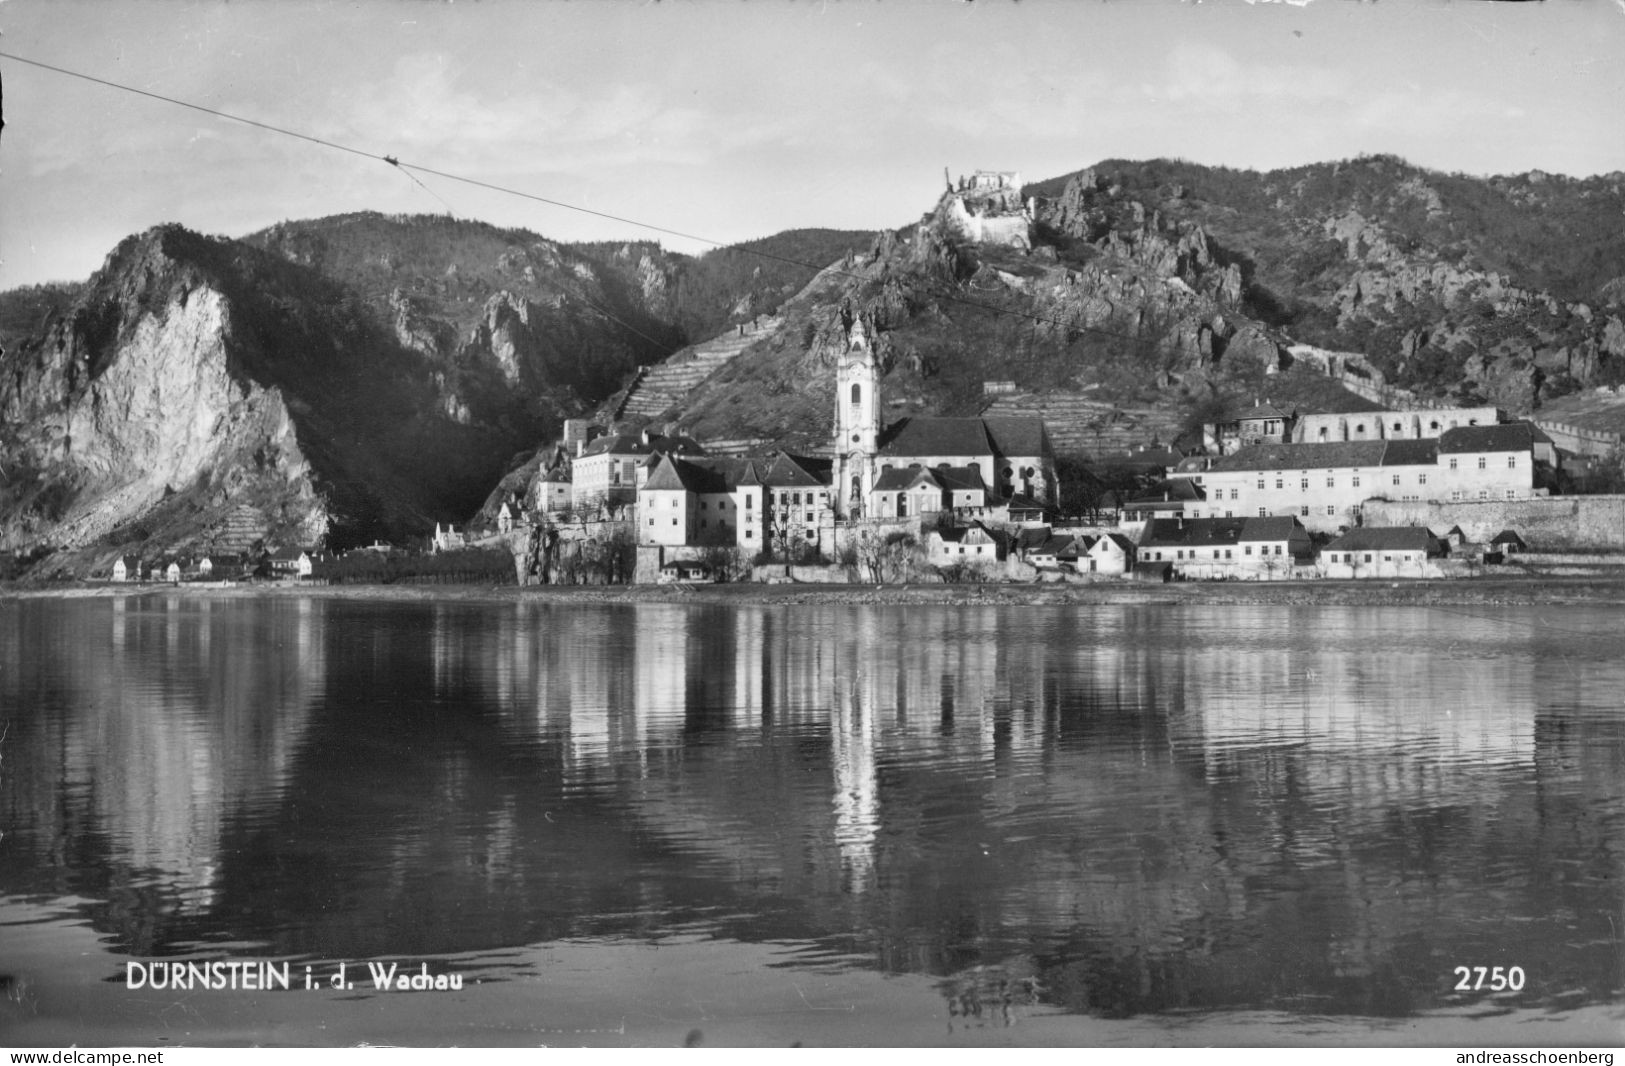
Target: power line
(407, 168)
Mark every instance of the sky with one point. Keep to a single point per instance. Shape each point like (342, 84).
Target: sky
(727, 120)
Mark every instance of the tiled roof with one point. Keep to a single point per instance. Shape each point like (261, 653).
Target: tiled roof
(895, 480)
(634, 444)
(961, 478)
(1208, 532)
(937, 436)
(671, 473)
(1029, 539)
(1271, 527)
(1386, 538)
(1174, 491)
(1411, 453)
(1304, 456)
(1508, 437)
(1023, 502)
(797, 471)
(1062, 544)
(1263, 410)
(1122, 542)
(1016, 435)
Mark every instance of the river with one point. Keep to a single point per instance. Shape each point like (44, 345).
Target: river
(771, 824)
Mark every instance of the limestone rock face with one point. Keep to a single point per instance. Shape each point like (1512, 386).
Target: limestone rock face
(506, 334)
(415, 329)
(197, 385)
(113, 424)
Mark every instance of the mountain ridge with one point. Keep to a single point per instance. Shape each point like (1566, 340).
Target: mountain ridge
(367, 375)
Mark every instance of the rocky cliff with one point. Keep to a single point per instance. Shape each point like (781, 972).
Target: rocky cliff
(194, 379)
(1175, 291)
(365, 376)
(330, 381)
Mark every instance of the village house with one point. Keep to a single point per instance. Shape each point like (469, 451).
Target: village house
(1020, 509)
(1508, 543)
(973, 544)
(1152, 460)
(1207, 548)
(445, 539)
(551, 489)
(605, 474)
(126, 568)
(1382, 551)
(1056, 551)
(1260, 424)
(800, 502)
(1177, 497)
(1112, 553)
(685, 571)
(291, 562)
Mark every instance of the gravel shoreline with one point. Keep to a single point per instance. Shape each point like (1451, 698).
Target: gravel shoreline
(1606, 588)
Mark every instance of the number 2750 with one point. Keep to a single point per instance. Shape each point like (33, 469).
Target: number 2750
(1498, 978)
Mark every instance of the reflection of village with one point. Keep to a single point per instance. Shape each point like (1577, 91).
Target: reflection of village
(929, 787)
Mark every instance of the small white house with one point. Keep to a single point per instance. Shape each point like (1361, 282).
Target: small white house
(1382, 551)
(966, 544)
(1111, 554)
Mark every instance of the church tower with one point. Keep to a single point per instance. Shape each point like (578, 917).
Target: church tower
(857, 419)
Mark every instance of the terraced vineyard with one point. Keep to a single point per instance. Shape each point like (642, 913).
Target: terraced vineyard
(659, 388)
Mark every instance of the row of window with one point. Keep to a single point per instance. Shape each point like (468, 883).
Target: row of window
(1195, 553)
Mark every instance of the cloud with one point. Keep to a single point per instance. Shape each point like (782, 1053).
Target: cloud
(427, 112)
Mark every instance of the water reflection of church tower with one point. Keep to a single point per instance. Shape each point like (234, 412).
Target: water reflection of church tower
(852, 750)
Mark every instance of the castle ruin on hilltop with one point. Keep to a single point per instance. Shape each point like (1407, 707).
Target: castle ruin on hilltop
(987, 208)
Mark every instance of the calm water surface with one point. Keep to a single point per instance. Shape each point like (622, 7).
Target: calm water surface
(995, 815)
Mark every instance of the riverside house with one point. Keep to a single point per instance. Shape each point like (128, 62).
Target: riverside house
(1382, 551)
(1244, 548)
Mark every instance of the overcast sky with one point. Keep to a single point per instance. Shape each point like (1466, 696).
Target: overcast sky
(731, 120)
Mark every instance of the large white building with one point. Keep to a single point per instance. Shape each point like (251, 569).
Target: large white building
(780, 503)
(1325, 485)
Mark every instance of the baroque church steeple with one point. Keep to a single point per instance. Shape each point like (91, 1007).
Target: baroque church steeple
(857, 416)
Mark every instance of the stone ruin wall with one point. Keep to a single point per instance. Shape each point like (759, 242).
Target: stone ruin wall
(1594, 523)
(1579, 439)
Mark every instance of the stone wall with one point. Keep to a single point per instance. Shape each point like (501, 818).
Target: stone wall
(1558, 522)
(1579, 439)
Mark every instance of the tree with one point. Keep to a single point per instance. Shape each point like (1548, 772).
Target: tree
(884, 560)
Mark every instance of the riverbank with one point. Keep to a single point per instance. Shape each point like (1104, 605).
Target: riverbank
(1512, 590)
